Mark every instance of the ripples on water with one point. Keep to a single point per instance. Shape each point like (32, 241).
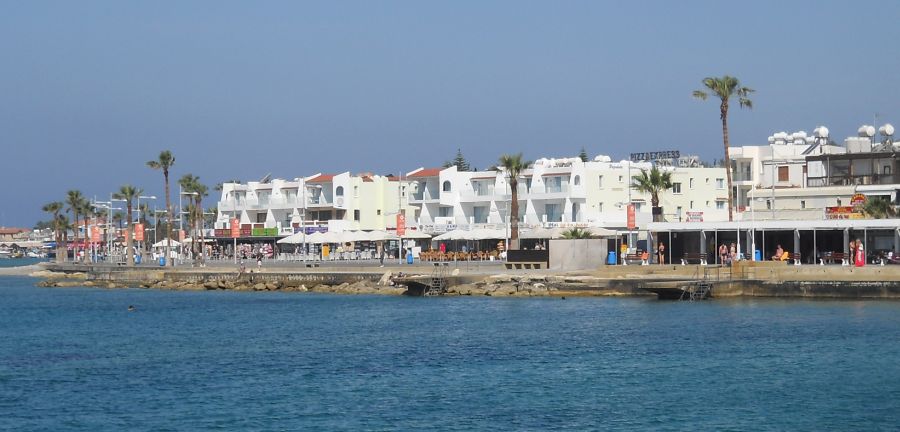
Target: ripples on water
(76, 359)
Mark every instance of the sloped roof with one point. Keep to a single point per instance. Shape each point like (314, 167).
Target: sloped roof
(426, 172)
(321, 178)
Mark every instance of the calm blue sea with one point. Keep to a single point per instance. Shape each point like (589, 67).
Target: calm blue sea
(76, 359)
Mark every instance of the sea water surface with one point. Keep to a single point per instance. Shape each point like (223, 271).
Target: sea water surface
(77, 359)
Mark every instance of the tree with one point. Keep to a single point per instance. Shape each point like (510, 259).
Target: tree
(583, 155)
(191, 184)
(129, 193)
(653, 182)
(219, 186)
(459, 161)
(87, 209)
(54, 208)
(164, 162)
(726, 88)
(512, 167)
(75, 202)
(879, 208)
(576, 233)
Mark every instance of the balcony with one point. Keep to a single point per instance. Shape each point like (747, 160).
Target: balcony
(424, 196)
(852, 180)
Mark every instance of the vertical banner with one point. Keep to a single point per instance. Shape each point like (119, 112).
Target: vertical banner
(125, 233)
(95, 234)
(631, 216)
(235, 228)
(401, 224)
(139, 232)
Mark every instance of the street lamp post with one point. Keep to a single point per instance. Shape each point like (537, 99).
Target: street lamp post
(109, 215)
(142, 242)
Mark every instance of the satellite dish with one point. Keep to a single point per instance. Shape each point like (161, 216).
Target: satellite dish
(267, 178)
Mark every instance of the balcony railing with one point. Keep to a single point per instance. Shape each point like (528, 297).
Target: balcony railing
(869, 179)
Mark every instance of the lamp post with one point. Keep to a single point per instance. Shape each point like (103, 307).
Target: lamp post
(181, 212)
(109, 216)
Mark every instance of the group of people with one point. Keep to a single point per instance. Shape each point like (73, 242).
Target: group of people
(728, 254)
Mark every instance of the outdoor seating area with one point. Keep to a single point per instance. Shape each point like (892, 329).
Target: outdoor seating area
(437, 256)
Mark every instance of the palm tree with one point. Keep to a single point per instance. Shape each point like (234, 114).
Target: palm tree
(188, 183)
(512, 166)
(164, 162)
(54, 208)
(88, 211)
(63, 225)
(653, 182)
(576, 233)
(75, 201)
(129, 193)
(879, 208)
(725, 88)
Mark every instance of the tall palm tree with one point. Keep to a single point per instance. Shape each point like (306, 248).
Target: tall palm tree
(75, 200)
(512, 166)
(88, 211)
(879, 208)
(164, 162)
(63, 225)
(653, 182)
(54, 208)
(725, 88)
(129, 193)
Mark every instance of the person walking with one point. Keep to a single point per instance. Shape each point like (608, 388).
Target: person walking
(259, 263)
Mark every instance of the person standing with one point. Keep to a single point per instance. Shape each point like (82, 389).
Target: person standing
(661, 253)
(259, 263)
(851, 258)
(860, 259)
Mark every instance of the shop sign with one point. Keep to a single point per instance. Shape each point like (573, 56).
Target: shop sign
(694, 216)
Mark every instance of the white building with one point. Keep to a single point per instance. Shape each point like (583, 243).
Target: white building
(561, 192)
(339, 202)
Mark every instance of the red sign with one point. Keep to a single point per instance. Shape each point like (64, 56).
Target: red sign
(694, 216)
(95, 234)
(401, 224)
(631, 223)
(845, 212)
(857, 200)
(139, 232)
(235, 228)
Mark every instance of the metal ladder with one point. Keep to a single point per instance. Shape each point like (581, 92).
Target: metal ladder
(438, 285)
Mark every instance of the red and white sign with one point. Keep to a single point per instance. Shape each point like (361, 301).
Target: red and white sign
(631, 223)
(857, 200)
(139, 232)
(401, 224)
(95, 234)
(235, 228)
(694, 216)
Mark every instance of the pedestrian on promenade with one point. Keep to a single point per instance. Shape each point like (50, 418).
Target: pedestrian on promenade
(259, 263)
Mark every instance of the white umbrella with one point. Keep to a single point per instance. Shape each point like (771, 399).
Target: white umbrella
(378, 235)
(295, 238)
(451, 235)
(164, 242)
(485, 234)
(418, 235)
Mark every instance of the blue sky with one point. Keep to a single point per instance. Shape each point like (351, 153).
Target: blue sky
(89, 91)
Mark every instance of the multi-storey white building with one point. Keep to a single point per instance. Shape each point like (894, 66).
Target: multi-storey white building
(795, 177)
(563, 191)
(338, 201)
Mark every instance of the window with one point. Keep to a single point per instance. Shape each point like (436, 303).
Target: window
(553, 212)
(720, 205)
(768, 204)
(260, 217)
(445, 212)
(720, 183)
(707, 204)
(676, 188)
(838, 202)
(355, 191)
(600, 207)
(600, 182)
(678, 212)
(692, 204)
(403, 191)
(887, 170)
(691, 184)
(783, 174)
(637, 206)
(446, 186)
(356, 215)
(620, 179)
(480, 214)
(707, 180)
(378, 212)
(577, 180)
(803, 204)
(339, 191)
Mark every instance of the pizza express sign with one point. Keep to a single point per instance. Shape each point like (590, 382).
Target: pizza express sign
(652, 156)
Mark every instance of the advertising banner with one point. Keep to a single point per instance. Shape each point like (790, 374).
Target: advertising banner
(631, 223)
(401, 224)
(694, 216)
(235, 228)
(95, 234)
(843, 212)
(139, 232)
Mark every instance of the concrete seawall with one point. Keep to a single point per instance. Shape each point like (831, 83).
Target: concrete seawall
(760, 279)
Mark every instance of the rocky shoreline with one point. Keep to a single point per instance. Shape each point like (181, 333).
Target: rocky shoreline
(502, 285)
